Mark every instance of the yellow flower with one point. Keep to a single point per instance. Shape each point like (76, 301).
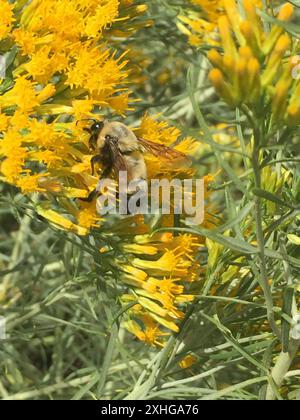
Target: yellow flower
(138, 282)
(60, 221)
(201, 26)
(105, 14)
(22, 95)
(161, 132)
(140, 249)
(19, 121)
(30, 183)
(42, 65)
(26, 40)
(253, 65)
(3, 122)
(93, 70)
(6, 18)
(197, 30)
(87, 216)
(167, 286)
(158, 131)
(12, 168)
(210, 8)
(82, 108)
(168, 264)
(10, 148)
(151, 332)
(187, 361)
(120, 103)
(188, 146)
(159, 284)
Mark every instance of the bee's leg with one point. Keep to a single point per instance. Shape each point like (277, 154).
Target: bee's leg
(91, 196)
(94, 160)
(92, 141)
(107, 170)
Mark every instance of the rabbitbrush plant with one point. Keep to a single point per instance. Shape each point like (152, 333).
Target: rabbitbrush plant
(147, 306)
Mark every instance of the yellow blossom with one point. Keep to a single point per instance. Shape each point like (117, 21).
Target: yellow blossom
(158, 131)
(3, 122)
(6, 18)
(87, 216)
(151, 332)
(30, 183)
(169, 263)
(25, 40)
(22, 95)
(252, 66)
(60, 221)
(120, 103)
(187, 361)
(140, 249)
(105, 14)
(82, 108)
(167, 286)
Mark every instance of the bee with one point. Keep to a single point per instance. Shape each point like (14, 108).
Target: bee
(117, 149)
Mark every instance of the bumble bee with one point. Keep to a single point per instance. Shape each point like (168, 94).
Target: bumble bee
(119, 149)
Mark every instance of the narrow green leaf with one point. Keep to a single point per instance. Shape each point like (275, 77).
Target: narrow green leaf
(271, 197)
(294, 239)
(287, 310)
(242, 214)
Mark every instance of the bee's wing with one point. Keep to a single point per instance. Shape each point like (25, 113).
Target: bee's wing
(119, 163)
(162, 151)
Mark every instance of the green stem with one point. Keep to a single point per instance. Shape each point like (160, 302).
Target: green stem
(16, 256)
(261, 239)
(281, 368)
(176, 223)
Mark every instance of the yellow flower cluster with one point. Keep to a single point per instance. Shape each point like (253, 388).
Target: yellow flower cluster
(160, 267)
(7, 18)
(200, 26)
(273, 182)
(211, 9)
(159, 271)
(64, 64)
(59, 70)
(255, 68)
(158, 283)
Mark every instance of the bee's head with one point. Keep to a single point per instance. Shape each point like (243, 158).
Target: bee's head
(97, 127)
(94, 130)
